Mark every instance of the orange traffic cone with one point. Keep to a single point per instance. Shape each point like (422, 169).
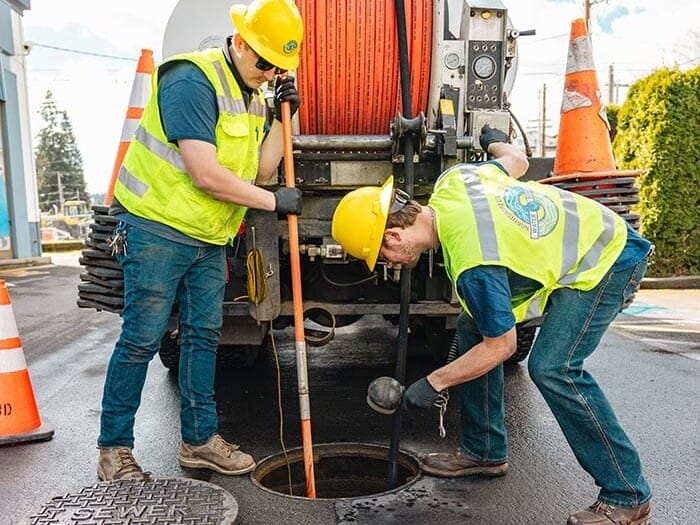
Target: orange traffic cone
(583, 145)
(19, 417)
(140, 91)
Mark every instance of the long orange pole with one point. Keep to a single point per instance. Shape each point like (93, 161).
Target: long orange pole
(302, 372)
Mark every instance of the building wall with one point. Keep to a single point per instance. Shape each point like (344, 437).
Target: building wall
(17, 156)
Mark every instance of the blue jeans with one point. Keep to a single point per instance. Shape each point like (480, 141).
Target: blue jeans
(573, 326)
(157, 274)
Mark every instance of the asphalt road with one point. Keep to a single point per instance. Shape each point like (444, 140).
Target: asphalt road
(648, 364)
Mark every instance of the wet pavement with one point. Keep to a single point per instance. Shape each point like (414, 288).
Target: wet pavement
(648, 366)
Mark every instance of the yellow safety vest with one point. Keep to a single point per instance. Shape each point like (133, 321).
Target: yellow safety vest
(555, 237)
(152, 181)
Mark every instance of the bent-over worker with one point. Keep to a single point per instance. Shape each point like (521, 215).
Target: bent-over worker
(514, 251)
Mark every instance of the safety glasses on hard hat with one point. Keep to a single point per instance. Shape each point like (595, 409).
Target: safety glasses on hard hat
(400, 199)
(264, 65)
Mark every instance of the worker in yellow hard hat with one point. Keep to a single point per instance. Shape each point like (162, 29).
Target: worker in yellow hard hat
(514, 251)
(202, 151)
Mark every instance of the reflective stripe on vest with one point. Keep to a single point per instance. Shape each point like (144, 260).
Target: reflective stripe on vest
(160, 150)
(231, 105)
(593, 255)
(487, 231)
(153, 182)
(226, 104)
(493, 208)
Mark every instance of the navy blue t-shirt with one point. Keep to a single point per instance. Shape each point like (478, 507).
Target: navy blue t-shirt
(187, 102)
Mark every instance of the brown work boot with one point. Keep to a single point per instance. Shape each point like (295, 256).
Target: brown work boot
(119, 463)
(455, 465)
(216, 454)
(603, 514)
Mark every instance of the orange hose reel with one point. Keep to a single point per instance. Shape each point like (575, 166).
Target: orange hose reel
(349, 70)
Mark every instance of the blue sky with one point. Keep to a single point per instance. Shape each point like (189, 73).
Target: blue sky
(94, 83)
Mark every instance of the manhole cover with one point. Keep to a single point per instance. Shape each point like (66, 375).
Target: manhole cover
(131, 502)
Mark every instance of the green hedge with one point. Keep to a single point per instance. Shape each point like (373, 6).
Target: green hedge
(658, 132)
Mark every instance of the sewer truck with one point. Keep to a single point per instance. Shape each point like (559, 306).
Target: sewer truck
(352, 130)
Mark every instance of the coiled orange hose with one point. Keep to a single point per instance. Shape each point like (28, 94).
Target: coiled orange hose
(349, 70)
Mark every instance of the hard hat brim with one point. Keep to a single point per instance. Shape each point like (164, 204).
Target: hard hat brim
(359, 221)
(385, 194)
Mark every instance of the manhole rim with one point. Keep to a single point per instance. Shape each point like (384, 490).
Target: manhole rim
(295, 454)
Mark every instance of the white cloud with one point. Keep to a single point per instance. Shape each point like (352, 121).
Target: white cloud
(651, 35)
(95, 91)
(127, 24)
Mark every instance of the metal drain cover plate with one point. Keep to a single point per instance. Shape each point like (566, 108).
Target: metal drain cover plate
(160, 501)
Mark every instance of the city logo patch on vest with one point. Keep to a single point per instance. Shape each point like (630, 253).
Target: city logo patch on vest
(532, 211)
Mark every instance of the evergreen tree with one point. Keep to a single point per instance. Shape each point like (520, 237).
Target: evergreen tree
(58, 162)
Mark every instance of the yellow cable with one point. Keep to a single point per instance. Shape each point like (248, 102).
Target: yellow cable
(256, 280)
(279, 406)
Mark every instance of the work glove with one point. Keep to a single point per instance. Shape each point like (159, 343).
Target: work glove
(420, 394)
(490, 135)
(285, 91)
(288, 201)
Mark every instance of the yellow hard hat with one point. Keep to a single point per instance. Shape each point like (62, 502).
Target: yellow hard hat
(359, 221)
(273, 28)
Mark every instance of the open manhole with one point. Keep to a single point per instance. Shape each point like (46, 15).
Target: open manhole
(341, 470)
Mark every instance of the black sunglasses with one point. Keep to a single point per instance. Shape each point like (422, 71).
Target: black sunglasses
(401, 198)
(264, 65)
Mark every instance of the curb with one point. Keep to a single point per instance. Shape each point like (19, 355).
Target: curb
(671, 283)
(24, 262)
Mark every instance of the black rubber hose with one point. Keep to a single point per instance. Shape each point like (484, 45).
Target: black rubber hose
(403, 59)
(526, 142)
(453, 351)
(402, 342)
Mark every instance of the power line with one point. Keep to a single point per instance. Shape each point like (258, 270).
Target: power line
(81, 52)
(545, 38)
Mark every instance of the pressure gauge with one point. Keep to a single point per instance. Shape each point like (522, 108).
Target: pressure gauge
(452, 60)
(484, 66)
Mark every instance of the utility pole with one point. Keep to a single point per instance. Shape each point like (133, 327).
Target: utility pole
(611, 84)
(544, 120)
(60, 192)
(587, 12)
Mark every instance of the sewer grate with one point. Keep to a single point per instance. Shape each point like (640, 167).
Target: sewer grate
(136, 502)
